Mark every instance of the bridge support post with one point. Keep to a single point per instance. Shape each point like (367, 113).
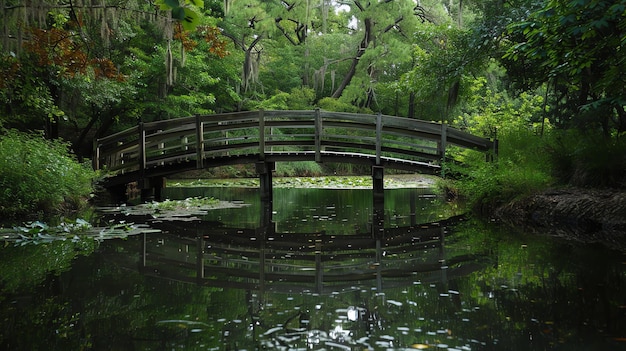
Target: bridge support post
(264, 170)
(151, 189)
(378, 202)
(378, 175)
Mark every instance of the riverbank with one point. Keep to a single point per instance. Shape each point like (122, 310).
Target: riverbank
(587, 215)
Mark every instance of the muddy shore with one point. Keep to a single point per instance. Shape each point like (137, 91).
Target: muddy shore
(586, 215)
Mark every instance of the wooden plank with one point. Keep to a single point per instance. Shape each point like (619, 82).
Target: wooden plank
(229, 117)
(232, 147)
(230, 127)
(291, 114)
(349, 125)
(114, 138)
(142, 148)
(169, 123)
(199, 143)
(380, 136)
(344, 116)
(319, 130)
(296, 136)
(261, 135)
(290, 143)
(290, 123)
(170, 158)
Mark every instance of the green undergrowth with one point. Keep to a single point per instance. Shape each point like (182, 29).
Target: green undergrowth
(522, 166)
(528, 163)
(588, 160)
(40, 175)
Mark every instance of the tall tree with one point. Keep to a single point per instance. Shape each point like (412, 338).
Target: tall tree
(373, 21)
(76, 66)
(577, 47)
(247, 23)
(57, 47)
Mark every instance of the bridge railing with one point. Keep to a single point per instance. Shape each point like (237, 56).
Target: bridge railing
(315, 132)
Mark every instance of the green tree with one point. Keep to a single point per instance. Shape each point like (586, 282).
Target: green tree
(80, 69)
(63, 69)
(576, 47)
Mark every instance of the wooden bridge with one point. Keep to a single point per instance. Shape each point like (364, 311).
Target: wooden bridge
(151, 151)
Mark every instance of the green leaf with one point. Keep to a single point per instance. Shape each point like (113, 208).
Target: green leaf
(190, 19)
(568, 19)
(165, 5)
(172, 3)
(617, 9)
(178, 13)
(197, 3)
(601, 23)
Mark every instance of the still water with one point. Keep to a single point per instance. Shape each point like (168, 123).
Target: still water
(319, 270)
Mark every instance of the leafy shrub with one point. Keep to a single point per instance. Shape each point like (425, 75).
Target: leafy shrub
(39, 175)
(588, 159)
(297, 99)
(522, 167)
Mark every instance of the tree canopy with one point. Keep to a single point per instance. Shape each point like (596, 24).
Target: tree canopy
(576, 49)
(79, 69)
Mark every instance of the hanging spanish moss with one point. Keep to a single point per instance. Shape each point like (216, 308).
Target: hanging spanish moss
(169, 64)
(103, 16)
(250, 74)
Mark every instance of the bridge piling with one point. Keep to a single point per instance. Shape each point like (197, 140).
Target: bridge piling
(151, 188)
(378, 175)
(264, 170)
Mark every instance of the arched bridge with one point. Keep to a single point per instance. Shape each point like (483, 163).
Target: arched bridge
(150, 151)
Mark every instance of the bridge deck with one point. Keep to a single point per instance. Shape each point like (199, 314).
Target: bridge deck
(162, 148)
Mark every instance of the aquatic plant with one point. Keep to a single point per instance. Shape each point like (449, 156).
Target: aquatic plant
(188, 203)
(78, 230)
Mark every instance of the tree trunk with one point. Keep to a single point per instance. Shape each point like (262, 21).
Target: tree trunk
(411, 113)
(79, 145)
(367, 39)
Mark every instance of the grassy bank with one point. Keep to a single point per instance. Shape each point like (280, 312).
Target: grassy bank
(40, 176)
(528, 164)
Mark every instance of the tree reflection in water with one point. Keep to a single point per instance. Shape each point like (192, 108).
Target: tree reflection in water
(200, 286)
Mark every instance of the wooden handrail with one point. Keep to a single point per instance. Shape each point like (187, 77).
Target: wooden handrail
(265, 133)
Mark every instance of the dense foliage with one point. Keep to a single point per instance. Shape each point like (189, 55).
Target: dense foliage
(39, 175)
(536, 68)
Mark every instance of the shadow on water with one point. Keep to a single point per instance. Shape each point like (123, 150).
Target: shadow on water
(318, 270)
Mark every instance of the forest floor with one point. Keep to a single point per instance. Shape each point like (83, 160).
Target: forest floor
(587, 215)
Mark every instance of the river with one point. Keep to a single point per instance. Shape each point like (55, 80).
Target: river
(319, 270)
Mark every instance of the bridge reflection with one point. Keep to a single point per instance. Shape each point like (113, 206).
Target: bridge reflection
(263, 259)
(363, 268)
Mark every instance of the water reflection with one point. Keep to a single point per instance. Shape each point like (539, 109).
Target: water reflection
(334, 211)
(224, 282)
(265, 260)
(365, 290)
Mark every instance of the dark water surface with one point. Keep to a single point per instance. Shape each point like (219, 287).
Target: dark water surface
(319, 270)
